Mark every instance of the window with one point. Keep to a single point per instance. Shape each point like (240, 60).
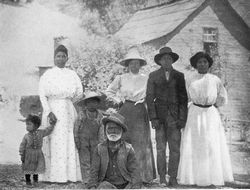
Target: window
(210, 40)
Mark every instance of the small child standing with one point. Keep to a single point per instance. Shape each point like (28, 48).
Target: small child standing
(32, 158)
(88, 131)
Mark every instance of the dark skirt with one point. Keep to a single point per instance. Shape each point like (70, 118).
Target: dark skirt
(34, 162)
(138, 134)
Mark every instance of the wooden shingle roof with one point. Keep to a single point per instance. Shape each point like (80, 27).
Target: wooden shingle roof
(154, 22)
(162, 22)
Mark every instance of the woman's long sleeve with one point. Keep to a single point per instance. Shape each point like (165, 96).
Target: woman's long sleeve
(113, 88)
(43, 98)
(222, 95)
(79, 89)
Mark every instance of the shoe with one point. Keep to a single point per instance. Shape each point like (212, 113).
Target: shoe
(28, 183)
(212, 187)
(163, 181)
(35, 183)
(172, 182)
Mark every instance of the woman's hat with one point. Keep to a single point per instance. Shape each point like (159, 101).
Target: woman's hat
(88, 95)
(61, 48)
(197, 56)
(116, 118)
(165, 51)
(132, 54)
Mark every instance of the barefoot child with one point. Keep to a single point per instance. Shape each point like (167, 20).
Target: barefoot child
(30, 148)
(88, 131)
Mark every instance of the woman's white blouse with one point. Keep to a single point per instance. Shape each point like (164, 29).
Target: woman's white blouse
(206, 89)
(59, 83)
(130, 86)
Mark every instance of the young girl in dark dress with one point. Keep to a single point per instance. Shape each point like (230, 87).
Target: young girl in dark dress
(30, 148)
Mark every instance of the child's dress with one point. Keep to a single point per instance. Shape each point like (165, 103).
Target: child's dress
(30, 147)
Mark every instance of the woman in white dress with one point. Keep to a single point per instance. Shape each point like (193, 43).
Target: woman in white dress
(205, 159)
(58, 88)
(132, 88)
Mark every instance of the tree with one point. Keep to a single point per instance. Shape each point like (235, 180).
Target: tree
(97, 61)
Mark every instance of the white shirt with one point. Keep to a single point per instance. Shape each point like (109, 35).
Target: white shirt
(206, 89)
(130, 86)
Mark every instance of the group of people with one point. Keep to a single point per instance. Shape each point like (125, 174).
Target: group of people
(115, 151)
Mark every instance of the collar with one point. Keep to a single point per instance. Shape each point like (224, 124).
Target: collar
(132, 74)
(169, 71)
(118, 145)
(34, 132)
(106, 143)
(89, 114)
(59, 69)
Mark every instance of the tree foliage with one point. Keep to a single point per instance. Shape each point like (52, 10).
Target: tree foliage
(97, 61)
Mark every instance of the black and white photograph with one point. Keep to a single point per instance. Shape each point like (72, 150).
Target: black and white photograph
(124, 94)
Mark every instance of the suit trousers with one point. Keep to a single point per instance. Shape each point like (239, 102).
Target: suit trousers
(171, 134)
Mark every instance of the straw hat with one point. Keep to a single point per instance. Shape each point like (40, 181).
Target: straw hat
(88, 95)
(132, 55)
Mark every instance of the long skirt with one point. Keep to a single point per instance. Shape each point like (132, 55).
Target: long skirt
(205, 157)
(61, 155)
(138, 135)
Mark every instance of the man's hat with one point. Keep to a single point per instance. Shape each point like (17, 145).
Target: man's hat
(165, 51)
(88, 95)
(116, 118)
(133, 54)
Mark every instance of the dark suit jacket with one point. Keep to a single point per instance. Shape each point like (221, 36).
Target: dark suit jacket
(163, 96)
(126, 161)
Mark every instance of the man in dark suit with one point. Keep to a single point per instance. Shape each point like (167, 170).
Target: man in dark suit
(167, 106)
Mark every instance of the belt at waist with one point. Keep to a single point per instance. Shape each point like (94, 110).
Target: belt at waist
(202, 106)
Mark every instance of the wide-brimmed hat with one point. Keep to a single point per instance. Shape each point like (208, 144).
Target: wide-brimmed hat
(116, 118)
(133, 54)
(194, 59)
(165, 51)
(88, 95)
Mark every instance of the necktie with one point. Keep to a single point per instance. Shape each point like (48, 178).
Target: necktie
(167, 75)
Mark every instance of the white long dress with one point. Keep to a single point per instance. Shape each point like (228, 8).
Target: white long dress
(205, 157)
(57, 89)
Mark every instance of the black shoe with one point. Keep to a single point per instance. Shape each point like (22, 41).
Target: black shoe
(172, 182)
(163, 181)
(28, 183)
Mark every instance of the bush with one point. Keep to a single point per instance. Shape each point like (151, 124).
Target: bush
(97, 61)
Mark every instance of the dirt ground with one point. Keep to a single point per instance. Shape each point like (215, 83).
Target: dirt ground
(11, 177)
